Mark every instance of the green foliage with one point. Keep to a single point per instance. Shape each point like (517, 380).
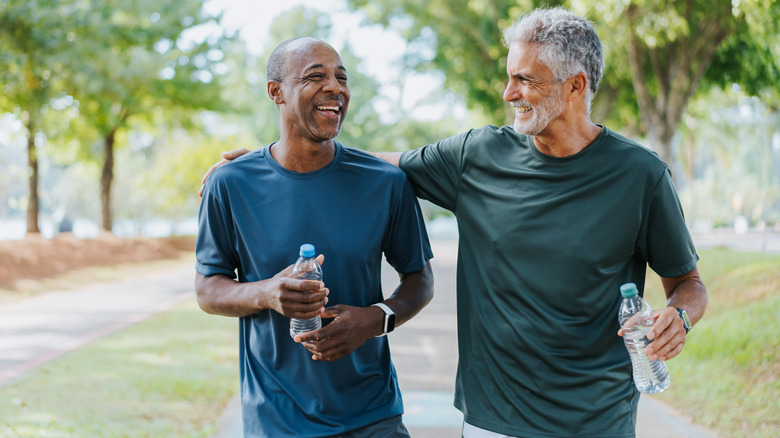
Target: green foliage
(34, 51)
(162, 179)
(100, 63)
(657, 53)
(751, 56)
(676, 51)
(142, 60)
(728, 376)
(461, 38)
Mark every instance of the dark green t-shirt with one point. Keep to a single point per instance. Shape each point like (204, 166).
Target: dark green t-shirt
(545, 244)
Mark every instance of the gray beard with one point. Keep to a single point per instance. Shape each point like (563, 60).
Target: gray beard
(544, 113)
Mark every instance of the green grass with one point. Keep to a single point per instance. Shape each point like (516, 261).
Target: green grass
(728, 376)
(168, 376)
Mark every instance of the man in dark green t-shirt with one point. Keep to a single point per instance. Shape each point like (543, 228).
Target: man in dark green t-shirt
(554, 214)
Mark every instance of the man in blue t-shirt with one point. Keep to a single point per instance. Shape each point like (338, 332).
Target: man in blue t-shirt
(307, 188)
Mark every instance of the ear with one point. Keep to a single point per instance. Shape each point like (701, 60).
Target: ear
(275, 92)
(578, 85)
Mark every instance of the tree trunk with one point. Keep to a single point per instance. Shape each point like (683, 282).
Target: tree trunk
(660, 137)
(32, 181)
(106, 180)
(666, 77)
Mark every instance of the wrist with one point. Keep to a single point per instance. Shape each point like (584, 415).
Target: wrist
(685, 319)
(388, 319)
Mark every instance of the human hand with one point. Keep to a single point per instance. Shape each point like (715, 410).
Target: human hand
(297, 298)
(226, 157)
(667, 335)
(351, 327)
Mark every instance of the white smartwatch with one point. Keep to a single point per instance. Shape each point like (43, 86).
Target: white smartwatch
(389, 322)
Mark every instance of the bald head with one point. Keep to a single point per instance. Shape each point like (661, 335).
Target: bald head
(276, 68)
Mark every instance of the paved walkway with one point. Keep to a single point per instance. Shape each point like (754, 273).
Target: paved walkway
(38, 330)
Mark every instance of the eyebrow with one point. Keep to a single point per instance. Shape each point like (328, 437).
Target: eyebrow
(524, 76)
(316, 66)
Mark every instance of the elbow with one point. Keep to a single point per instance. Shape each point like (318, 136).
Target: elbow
(202, 293)
(427, 283)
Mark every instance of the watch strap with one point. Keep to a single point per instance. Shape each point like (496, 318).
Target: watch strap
(385, 322)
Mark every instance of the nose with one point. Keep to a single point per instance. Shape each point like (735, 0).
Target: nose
(333, 85)
(511, 93)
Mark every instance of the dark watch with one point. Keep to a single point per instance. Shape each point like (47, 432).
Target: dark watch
(389, 323)
(684, 316)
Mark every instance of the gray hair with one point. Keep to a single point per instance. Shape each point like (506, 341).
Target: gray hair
(567, 44)
(276, 68)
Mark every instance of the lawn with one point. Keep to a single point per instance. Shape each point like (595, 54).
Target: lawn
(168, 376)
(728, 376)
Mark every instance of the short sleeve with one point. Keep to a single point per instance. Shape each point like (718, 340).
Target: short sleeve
(664, 239)
(405, 241)
(213, 250)
(435, 170)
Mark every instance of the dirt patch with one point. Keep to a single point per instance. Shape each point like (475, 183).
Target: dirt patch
(35, 257)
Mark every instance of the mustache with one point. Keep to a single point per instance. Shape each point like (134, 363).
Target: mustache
(337, 101)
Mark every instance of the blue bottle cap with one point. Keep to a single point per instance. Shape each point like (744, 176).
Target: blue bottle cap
(307, 250)
(628, 290)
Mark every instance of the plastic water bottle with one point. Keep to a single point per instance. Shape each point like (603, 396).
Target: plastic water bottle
(636, 318)
(306, 268)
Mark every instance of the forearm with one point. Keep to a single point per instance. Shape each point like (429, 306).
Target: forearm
(391, 157)
(221, 295)
(687, 292)
(413, 293)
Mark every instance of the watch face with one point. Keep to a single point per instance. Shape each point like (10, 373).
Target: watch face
(390, 322)
(686, 322)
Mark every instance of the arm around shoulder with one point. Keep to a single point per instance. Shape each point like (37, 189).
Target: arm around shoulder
(393, 158)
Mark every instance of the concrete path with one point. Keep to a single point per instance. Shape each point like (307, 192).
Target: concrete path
(40, 329)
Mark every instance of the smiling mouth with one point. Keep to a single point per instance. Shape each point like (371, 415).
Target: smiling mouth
(331, 109)
(523, 109)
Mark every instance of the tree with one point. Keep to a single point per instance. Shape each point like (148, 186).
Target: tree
(135, 57)
(672, 48)
(35, 52)
(668, 46)
(461, 38)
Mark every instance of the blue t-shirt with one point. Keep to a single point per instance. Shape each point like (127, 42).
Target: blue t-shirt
(254, 216)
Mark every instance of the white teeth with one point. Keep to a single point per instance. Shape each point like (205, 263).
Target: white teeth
(328, 108)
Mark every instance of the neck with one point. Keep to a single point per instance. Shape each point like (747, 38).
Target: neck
(563, 139)
(304, 156)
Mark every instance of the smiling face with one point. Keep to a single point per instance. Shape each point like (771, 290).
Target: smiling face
(313, 96)
(532, 91)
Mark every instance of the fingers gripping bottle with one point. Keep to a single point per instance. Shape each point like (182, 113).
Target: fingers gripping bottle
(306, 268)
(636, 318)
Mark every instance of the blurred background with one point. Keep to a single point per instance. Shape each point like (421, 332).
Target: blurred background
(111, 110)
